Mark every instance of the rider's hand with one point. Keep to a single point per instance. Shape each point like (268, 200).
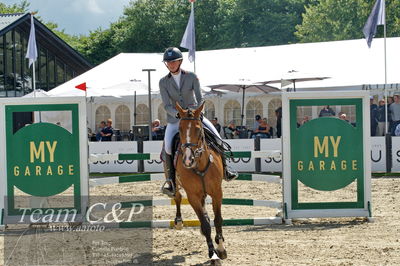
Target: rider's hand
(178, 115)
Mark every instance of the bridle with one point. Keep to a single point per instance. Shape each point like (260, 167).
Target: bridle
(196, 149)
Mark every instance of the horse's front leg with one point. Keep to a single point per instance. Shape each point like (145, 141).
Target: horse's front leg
(197, 205)
(219, 239)
(178, 217)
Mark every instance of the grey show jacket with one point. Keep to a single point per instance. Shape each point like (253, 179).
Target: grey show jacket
(188, 95)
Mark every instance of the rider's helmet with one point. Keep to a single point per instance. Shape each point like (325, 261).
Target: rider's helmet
(172, 54)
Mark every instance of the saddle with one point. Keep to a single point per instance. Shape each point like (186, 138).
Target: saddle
(212, 141)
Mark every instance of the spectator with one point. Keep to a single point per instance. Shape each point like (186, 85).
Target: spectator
(99, 129)
(257, 122)
(326, 111)
(216, 124)
(343, 116)
(263, 130)
(381, 117)
(374, 116)
(231, 131)
(305, 120)
(278, 114)
(107, 132)
(157, 131)
(395, 113)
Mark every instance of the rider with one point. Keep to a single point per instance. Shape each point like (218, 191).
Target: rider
(183, 87)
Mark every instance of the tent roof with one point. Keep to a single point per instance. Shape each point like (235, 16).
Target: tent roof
(348, 63)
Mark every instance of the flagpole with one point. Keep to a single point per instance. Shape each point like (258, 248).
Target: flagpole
(34, 80)
(194, 61)
(386, 94)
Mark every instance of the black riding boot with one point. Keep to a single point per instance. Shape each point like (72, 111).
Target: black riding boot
(168, 187)
(229, 174)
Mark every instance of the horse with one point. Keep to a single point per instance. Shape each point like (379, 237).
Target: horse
(199, 171)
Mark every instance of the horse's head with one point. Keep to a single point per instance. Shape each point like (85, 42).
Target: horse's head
(191, 135)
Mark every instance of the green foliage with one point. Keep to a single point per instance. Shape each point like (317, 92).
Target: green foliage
(14, 8)
(330, 20)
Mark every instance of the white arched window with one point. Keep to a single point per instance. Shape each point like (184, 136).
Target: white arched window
(209, 110)
(102, 114)
(122, 118)
(253, 108)
(272, 106)
(142, 112)
(162, 115)
(232, 112)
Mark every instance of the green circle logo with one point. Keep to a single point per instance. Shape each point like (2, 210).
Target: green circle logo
(43, 161)
(327, 153)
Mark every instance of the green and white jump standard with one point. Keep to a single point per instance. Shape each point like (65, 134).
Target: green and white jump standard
(326, 154)
(42, 159)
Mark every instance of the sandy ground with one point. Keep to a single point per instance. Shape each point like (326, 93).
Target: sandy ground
(344, 241)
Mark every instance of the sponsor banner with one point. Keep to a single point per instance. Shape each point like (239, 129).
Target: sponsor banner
(242, 164)
(153, 166)
(121, 166)
(378, 154)
(271, 164)
(395, 154)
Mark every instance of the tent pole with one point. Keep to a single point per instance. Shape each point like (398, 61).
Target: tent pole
(244, 92)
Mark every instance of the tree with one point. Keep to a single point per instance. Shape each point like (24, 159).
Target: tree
(14, 8)
(330, 20)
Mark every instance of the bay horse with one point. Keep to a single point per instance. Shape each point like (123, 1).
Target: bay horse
(199, 171)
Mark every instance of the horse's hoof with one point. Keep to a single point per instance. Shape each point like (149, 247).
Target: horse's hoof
(179, 226)
(222, 254)
(178, 223)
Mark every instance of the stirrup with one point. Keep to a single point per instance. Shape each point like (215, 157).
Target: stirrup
(169, 191)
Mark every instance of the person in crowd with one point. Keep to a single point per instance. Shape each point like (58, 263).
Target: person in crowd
(395, 113)
(263, 130)
(107, 131)
(326, 111)
(381, 117)
(231, 131)
(257, 122)
(306, 118)
(102, 125)
(216, 124)
(374, 116)
(156, 128)
(343, 116)
(183, 87)
(278, 114)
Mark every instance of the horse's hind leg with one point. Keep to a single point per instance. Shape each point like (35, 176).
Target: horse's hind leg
(219, 239)
(178, 218)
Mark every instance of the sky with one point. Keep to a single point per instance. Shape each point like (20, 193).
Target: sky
(77, 16)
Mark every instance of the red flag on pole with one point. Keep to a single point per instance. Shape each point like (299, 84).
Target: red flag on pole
(81, 86)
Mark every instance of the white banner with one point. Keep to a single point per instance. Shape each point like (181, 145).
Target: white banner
(153, 166)
(396, 154)
(271, 164)
(242, 164)
(117, 166)
(378, 155)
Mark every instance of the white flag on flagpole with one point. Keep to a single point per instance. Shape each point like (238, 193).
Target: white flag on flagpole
(377, 17)
(31, 52)
(189, 37)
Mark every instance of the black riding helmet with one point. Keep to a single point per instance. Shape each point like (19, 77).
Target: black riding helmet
(172, 54)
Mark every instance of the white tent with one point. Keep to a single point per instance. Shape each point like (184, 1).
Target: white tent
(349, 64)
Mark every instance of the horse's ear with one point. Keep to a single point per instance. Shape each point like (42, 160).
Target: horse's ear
(199, 110)
(180, 109)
